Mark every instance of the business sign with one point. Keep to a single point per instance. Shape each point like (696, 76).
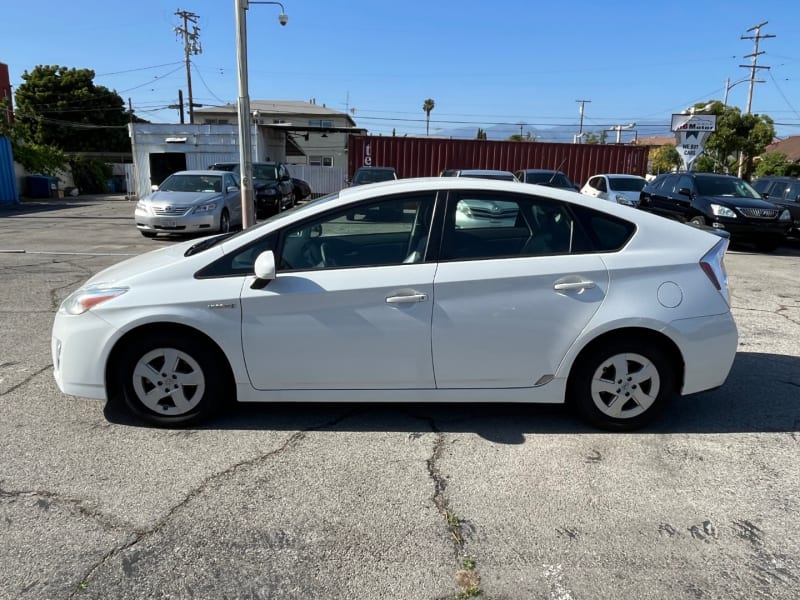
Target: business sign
(692, 132)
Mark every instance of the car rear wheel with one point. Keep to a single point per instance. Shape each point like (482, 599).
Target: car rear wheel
(168, 380)
(622, 384)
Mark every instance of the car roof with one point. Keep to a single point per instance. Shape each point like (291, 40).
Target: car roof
(484, 172)
(207, 172)
(618, 175)
(539, 171)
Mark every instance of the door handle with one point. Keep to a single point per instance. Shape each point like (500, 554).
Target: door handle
(570, 286)
(406, 299)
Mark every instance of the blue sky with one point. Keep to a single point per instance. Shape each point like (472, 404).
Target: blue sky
(482, 62)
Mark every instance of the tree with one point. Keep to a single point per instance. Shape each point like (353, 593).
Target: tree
(749, 134)
(35, 158)
(62, 107)
(427, 106)
(776, 163)
(590, 138)
(664, 159)
(481, 134)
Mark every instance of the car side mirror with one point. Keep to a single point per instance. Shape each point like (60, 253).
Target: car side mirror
(685, 192)
(264, 269)
(231, 188)
(153, 188)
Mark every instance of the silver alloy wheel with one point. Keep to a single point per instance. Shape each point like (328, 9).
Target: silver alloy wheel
(168, 382)
(625, 385)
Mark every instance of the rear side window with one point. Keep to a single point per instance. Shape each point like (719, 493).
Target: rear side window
(606, 233)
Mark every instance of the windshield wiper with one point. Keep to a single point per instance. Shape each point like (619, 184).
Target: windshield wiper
(207, 243)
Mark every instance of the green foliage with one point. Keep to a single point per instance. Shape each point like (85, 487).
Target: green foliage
(591, 138)
(90, 175)
(62, 107)
(38, 158)
(749, 134)
(481, 134)
(428, 106)
(664, 159)
(776, 163)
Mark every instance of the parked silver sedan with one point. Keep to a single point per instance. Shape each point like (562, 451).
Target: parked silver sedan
(191, 202)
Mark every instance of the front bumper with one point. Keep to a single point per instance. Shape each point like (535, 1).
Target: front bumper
(203, 222)
(79, 346)
(750, 229)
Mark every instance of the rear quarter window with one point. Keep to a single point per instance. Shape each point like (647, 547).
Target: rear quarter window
(606, 233)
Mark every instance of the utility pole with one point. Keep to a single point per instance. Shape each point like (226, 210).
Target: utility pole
(753, 66)
(580, 131)
(179, 105)
(191, 45)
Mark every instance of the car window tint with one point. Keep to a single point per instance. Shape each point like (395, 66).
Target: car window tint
(482, 225)
(392, 231)
(240, 262)
(793, 192)
(605, 233)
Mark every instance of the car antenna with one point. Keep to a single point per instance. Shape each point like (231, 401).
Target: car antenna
(558, 168)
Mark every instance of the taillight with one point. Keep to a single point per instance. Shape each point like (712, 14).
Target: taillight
(713, 265)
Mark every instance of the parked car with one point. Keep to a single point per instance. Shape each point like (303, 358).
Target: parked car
(611, 310)
(783, 191)
(366, 175)
(548, 177)
(272, 186)
(719, 201)
(301, 189)
(191, 202)
(480, 174)
(622, 189)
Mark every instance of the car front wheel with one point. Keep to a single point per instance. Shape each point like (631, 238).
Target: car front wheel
(224, 222)
(622, 384)
(168, 380)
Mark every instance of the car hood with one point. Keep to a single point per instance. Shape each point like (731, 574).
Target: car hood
(263, 184)
(160, 198)
(148, 262)
(742, 202)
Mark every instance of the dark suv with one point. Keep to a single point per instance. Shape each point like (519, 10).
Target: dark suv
(272, 186)
(783, 191)
(719, 201)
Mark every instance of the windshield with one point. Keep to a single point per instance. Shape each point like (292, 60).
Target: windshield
(725, 186)
(558, 180)
(192, 183)
(498, 176)
(626, 184)
(265, 172)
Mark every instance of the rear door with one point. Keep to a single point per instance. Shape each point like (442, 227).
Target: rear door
(510, 297)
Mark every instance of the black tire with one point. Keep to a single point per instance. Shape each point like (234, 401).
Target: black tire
(148, 234)
(169, 380)
(224, 221)
(767, 246)
(639, 374)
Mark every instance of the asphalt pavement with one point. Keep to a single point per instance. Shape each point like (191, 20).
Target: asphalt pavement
(388, 501)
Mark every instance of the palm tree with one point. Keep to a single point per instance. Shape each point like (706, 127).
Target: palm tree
(427, 106)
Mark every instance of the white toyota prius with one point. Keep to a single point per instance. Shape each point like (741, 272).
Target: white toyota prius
(378, 293)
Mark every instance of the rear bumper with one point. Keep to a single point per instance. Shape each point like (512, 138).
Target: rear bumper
(709, 347)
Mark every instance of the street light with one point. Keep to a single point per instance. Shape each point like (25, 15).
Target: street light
(243, 104)
(619, 128)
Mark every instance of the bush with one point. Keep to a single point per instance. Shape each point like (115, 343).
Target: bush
(90, 175)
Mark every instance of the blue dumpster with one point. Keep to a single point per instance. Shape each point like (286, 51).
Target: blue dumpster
(38, 186)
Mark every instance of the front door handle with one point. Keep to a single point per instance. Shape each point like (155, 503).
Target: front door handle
(569, 286)
(406, 299)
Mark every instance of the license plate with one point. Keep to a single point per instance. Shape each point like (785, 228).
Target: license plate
(169, 223)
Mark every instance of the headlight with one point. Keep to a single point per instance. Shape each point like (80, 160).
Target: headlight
(143, 207)
(205, 207)
(464, 209)
(268, 192)
(785, 216)
(722, 211)
(85, 298)
(623, 200)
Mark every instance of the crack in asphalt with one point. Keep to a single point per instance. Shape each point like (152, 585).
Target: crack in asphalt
(75, 505)
(26, 380)
(777, 312)
(140, 535)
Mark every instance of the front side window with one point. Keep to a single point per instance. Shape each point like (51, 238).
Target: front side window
(793, 192)
(392, 231)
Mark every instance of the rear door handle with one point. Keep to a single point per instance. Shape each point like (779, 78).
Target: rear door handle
(406, 299)
(570, 286)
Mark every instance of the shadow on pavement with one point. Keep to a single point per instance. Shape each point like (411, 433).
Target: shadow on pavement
(762, 394)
